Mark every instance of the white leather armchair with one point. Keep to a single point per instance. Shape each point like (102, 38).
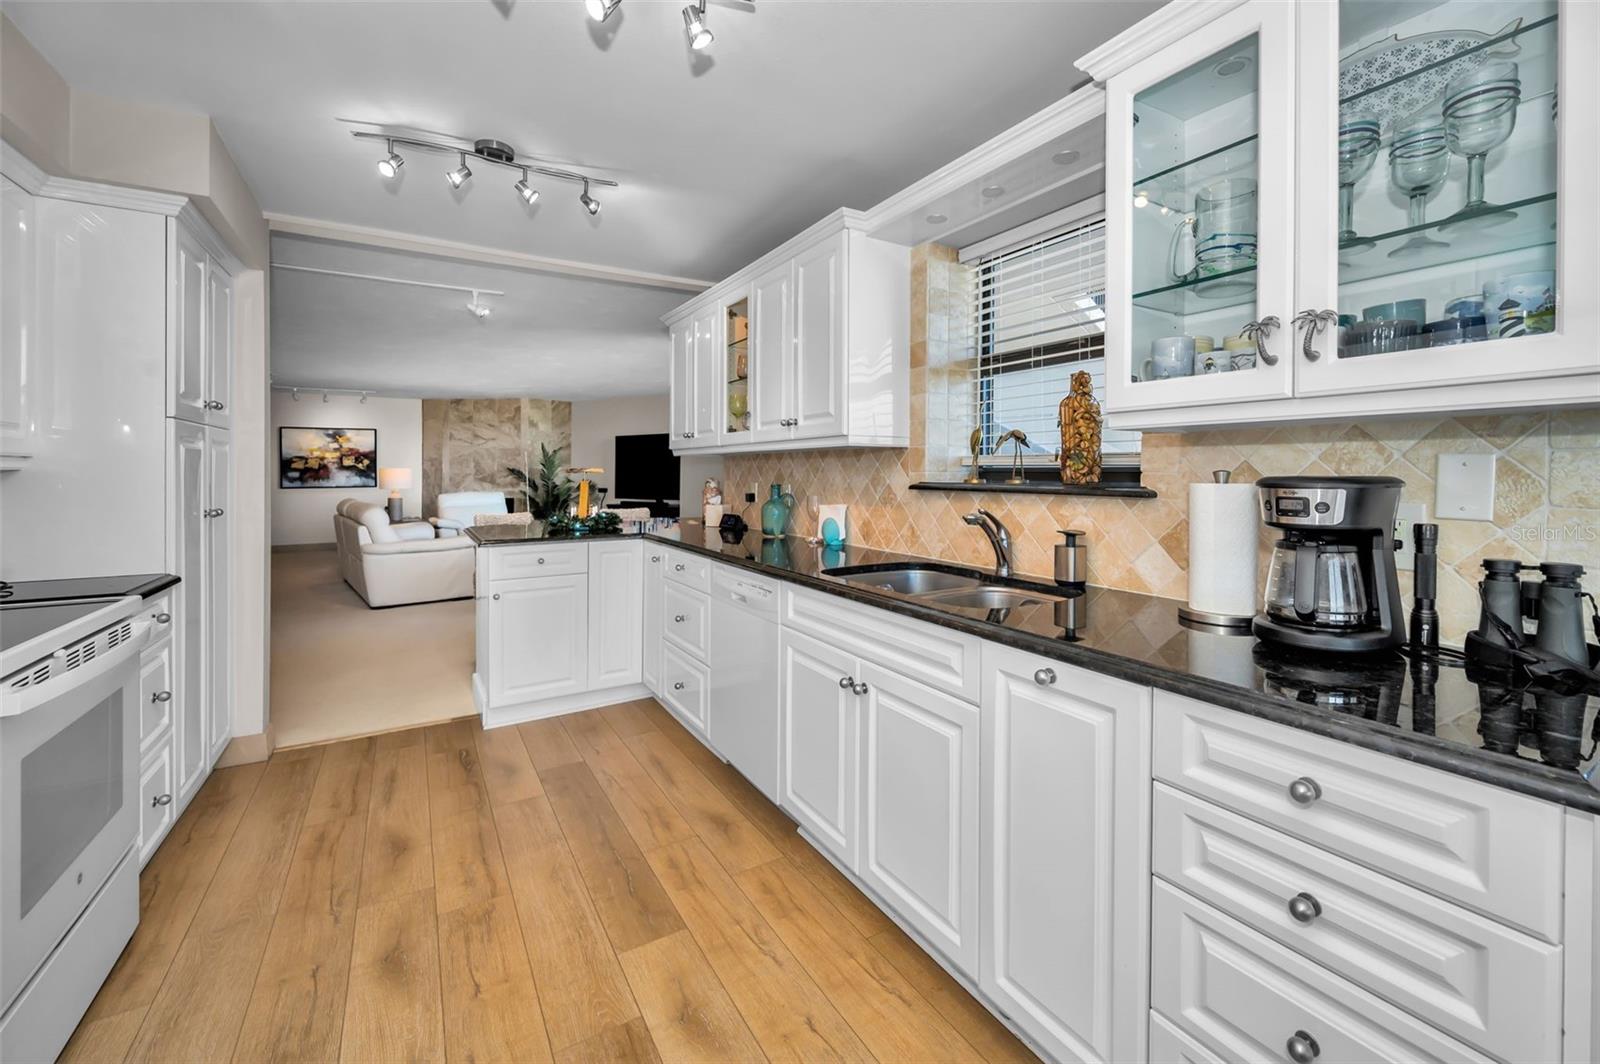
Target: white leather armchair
(458, 508)
(398, 565)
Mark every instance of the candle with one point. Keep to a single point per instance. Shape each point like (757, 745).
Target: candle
(583, 498)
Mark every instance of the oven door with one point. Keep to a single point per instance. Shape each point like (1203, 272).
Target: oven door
(68, 786)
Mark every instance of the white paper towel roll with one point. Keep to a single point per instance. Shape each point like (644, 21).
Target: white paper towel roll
(1223, 523)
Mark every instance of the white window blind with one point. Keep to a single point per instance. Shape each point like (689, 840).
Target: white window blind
(1039, 316)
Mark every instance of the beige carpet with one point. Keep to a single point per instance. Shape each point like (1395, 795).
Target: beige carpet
(340, 669)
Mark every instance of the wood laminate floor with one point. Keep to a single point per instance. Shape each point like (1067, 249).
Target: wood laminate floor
(597, 887)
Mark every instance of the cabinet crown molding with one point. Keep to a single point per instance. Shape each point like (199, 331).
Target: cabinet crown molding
(1172, 23)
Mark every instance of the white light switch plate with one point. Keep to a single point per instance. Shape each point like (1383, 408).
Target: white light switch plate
(1464, 487)
(1410, 513)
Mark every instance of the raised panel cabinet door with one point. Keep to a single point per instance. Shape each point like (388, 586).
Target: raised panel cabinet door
(186, 361)
(919, 808)
(681, 421)
(219, 593)
(18, 319)
(821, 359)
(708, 378)
(1065, 842)
(772, 354)
(650, 652)
(616, 613)
(157, 802)
(818, 772)
(538, 641)
(219, 346)
(189, 535)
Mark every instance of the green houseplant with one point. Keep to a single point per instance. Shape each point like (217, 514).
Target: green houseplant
(548, 491)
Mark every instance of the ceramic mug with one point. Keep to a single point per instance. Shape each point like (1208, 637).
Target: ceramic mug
(1241, 351)
(1204, 345)
(1212, 362)
(1170, 356)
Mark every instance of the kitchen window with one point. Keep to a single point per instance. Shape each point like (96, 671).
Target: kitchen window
(1039, 317)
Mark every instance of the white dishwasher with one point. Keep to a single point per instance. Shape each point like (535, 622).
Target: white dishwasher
(743, 711)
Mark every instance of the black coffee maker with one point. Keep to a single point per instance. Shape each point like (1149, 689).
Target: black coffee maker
(1332, 583)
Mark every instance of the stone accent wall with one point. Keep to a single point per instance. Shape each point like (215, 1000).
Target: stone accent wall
(468, 443)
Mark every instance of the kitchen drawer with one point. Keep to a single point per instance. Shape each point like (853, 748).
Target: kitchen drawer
(537, 559)
(684, 616)
(939, 657)
(1168, 1045)
(156, 800)
(156, 696)
(685, 688)
(1493, 851)
(1244, 997)
(1478, 980)
(156, 609)
(690, 570)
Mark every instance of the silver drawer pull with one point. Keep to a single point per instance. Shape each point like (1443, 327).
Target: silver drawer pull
(655, 557)
(846, 683)
(540, 561)
(161, 696)
(1304, 908)
(160, 800)
(1303, 1049)
(678, 686)
(163, 618)
(495, 596)
(1044, 677)
(1304, 791)
(680, 567)
(858, 688)
(678, 618)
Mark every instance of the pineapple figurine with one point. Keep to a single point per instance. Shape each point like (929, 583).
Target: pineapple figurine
(1079, 420)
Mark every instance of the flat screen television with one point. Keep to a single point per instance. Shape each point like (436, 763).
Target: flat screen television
(647, 470)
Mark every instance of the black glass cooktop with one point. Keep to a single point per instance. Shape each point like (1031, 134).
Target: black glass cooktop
(145, 584)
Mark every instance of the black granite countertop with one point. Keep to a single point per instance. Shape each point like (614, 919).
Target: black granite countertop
(87, 587)
(502, 535)
(1534, 741)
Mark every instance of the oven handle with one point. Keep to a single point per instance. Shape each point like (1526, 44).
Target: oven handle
(14, 704)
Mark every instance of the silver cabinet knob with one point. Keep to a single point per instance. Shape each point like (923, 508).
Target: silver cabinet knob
(161, 696)
(677, 618)
(220, 511)
(160, 800)
(1313, 322)
(847, 682)
(163, 618)
(1304, 791)
(540, 561)
(1304, 908)
(678, 685)
(495, 596)
(679, 567)
(1258, 331)
(1044, 677)
(858, 688)
(655, 557)
(1303, 1049)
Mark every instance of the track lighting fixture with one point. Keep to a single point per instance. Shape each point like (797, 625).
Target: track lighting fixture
(529, 194)
(694, 27)
(478, 307)
(490, 151)
(600, 10)
(590, 204)
(390, 164)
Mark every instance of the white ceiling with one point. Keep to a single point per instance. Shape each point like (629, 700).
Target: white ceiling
(550, 335)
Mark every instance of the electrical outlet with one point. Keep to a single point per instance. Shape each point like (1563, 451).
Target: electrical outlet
(1410, 513)
(1464, 487)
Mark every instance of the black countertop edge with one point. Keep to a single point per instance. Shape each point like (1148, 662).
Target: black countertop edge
(1115, 491)
(157, 584)
(1501, 770)
(482, 537)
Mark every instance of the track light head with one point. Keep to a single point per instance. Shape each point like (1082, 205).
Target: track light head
(478, 307)
(600, 10)
(529, 194)
(390, 164)
(459, 175)
(694, 26)
(590, 204)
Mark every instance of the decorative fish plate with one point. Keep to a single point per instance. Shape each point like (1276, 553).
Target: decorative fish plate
(1405, 69)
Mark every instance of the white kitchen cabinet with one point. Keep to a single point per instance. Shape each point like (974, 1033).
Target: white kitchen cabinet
(1065, 854)
(219, 345)
(538, 638)
(919, 809)
(218, 593)
(616, 622)
(200, 353)
(1201, 98)
(818, 771)
(19, 356)
(829, 355)
(650, 653)
(190, 537)
(156, 805)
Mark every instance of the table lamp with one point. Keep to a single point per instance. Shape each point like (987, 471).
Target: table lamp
(396, 480)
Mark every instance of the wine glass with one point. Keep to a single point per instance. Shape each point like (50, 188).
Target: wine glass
(1480, 112)
(1358, 147)
(1419, 159)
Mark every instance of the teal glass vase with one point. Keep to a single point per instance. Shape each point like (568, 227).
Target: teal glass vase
(775, 512)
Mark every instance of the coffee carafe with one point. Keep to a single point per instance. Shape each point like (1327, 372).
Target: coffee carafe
(1331, 584)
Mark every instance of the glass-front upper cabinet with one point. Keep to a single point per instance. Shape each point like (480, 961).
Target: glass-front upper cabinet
(736, 371)
(1446, 213)
(1199, 196)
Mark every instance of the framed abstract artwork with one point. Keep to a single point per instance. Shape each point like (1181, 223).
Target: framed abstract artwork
(327, 458)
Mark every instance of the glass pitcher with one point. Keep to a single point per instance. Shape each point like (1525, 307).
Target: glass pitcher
(1318, 584)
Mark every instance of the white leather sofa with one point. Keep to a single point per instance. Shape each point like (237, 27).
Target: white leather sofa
(458, 508)
(398, 565)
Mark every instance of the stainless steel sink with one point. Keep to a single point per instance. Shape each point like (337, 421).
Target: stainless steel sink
(991, 597)
(906, 581)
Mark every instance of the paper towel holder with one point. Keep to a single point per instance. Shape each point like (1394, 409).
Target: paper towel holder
(1222, 623)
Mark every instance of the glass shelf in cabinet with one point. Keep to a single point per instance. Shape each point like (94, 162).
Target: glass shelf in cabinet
(738, 380)
(1202, 295)
(1377, 97)
(1237, 159)
(739, 343)
(1531, 228)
